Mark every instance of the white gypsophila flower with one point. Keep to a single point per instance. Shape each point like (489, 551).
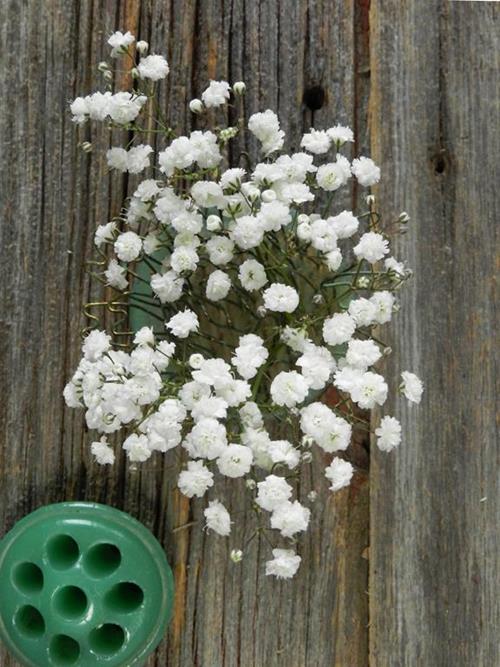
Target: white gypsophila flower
(338, 329)
(250, 415)
(249, 355)
(317, 365)
(208, 194)
(369, 390)
(102, 452)
(339, 473)
(372, 247)
(290, 518)
(95, 345)
(323, 236)
(218, 285)
(282, 451)
(252, 275)
(214, 223)
(296, 339)
(248, 232)
(362, 353)
(137, 448)
(138, 158)
(281, 298)
(345, 224)
(128, 246)
(167, 287)
(388, 434)
(284, 564)
(340, 134)
(384, 303)
(272, 492)
(266, 127)
(363, 312)
(147, 190)
(333, 259)
(289, 388)
(235, 461)
(331, 432)
(332, 176)
(217, 93)
(119, 41)
(116, 275)
(217, 518)
(220, 250)
(211, 406)
(214, 373)
(153, 67)
(151, 243)
(207, 439)
(183, 323)
(196, 480)
(104, 233)
(122, 107)
(117, 158)
(196, 360)
(274, 215)
(392, 264)
(232, 178)
(366, 171)
(412, 387)
(144, 336)
(316, 141)
(184, 259)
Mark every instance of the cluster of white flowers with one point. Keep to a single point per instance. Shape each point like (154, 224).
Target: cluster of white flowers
(260, 297)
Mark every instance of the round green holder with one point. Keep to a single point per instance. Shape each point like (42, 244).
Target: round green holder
(83, 584)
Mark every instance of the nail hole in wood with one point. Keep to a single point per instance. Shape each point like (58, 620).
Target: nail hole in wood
(314, 97)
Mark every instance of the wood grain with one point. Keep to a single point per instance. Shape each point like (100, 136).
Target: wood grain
(435, 507)
(53, 196)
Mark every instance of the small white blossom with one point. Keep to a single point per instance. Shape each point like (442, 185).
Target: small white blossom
(366, 171)
(284, 564)
(153, 67)
(196, 480)
(235, 461)
(216, 94)
(289, 388)
(372, 247)
(128, 246)
(412, 386)
(102, 452)
(183, 323)
(281, 298)
(339, 473)
(388, 434)
(217, 518)
(272, 492)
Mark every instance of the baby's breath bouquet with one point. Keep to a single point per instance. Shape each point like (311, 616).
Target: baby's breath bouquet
(261, 296)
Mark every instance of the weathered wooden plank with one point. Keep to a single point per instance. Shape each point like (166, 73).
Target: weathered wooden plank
(53, 197)
(435, 506)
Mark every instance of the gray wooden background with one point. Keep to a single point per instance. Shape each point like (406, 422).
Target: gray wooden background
(400, 569)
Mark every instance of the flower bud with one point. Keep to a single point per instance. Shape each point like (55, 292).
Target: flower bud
(239, 88)
(213, 223)
(303, 217)
(134, 73)
(370, 200)
(108, 75)
(236, 555)
(196, 360)
(311, 496)
(142, 47)
(318, 298)
(387, 351)
(404, 217)
(103, 66)
(306, 457)
(268, 196)
(363, 282)
(261, 311)
(196, 106)
(251, 484)
(86, 146)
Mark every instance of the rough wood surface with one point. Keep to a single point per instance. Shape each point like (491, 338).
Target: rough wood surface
(434, 115)
(435, 510)
(53, 196)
